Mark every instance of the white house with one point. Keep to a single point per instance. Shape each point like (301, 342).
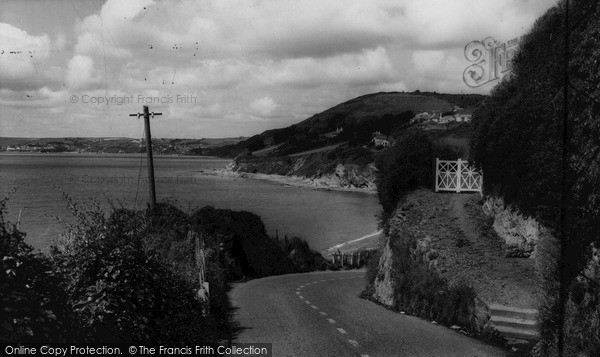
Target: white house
(381, 140)
(445, 119)
(463, 116)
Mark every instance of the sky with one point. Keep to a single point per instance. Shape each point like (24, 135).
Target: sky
(229, 68)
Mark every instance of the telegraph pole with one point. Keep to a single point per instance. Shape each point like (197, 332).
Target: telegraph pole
(152, 188)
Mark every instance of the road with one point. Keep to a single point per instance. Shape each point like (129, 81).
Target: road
(321, 314)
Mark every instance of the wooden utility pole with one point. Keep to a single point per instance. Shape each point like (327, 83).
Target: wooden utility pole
(152, 188)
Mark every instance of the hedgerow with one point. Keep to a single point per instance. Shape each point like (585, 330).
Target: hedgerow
(520, 143)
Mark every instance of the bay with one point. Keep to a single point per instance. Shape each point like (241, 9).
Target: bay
(323, 218)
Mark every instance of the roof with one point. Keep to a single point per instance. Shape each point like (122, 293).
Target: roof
(468, 111)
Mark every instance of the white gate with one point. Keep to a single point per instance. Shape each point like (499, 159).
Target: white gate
(457, 176)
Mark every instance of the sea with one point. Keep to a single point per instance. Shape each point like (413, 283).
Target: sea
(41, 180)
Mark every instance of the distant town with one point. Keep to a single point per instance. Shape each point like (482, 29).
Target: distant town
(161, 146)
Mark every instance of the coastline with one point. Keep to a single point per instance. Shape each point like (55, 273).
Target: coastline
(369, 241)
(293, 181)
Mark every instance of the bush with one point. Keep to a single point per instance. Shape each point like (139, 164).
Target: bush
(518, 141)
(131, 276)
(303, 258)
(250, 252)
(34, 307)
(123, 291)
(408, 165)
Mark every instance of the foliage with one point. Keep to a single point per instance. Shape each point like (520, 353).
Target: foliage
(123, 291)
(33, 305)
(462, 100)
(518, 142)
(130, 276)
(313, 165)
(251, 253)
(303, 258)
(371, 272)
(408, 165)
(352, 155)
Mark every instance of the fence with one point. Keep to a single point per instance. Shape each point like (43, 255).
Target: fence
(351, 259)
(457, 176)
(203, 292)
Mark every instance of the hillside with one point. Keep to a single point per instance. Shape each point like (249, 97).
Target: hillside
(352, 122)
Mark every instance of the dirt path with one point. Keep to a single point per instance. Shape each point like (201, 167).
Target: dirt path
(508, 281)
(458, 208)
(469, 250)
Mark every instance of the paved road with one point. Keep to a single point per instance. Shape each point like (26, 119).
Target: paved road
(320, 314)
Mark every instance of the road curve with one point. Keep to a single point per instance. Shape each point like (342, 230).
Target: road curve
(321, 314)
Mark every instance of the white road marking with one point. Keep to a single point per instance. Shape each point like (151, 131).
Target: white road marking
(301, 297)
(323, 313)
(353, 343)
(297, 293)
(341, 330)
(307, 302)
(331, 321)
(314, 307)
(364, 355)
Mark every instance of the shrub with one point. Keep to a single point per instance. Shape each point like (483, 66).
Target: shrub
(518, 141)
(252, 252)
(408, 165)
(300, 254)
(122, 291)
(34, 308)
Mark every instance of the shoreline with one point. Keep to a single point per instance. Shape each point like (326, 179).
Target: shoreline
(293, 181)
(369, 241)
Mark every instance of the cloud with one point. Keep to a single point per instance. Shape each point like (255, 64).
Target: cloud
(21, 58)
(251, 64)
(263, 106)
(81, 73)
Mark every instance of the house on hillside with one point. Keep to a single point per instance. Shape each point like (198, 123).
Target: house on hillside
(445, 119)
(464, 116)
(380, 140)
(422, 117)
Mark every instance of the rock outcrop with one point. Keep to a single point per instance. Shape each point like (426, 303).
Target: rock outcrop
(520, 233)
(384, 291)
(309, 169)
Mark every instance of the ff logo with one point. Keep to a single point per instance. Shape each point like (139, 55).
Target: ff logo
(491, 60)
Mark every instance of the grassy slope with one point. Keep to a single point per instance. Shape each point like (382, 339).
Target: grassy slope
(363, 113)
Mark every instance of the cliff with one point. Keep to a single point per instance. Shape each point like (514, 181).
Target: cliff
(313, 170)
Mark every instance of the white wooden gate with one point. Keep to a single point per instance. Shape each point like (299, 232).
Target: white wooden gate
(457, 176)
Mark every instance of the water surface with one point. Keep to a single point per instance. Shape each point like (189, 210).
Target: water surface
(323, 218)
